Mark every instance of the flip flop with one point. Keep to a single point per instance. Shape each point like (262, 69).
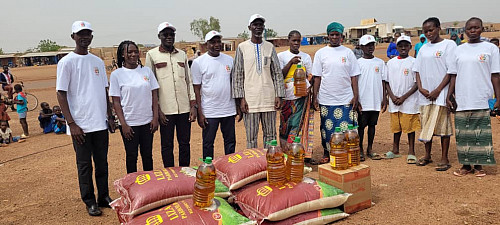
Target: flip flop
(423, 161)
(462, 172)
(443, 166)
(390, 155)
(374, 156)
(411, 159)
(479, 173)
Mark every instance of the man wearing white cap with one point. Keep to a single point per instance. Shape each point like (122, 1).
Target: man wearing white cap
(212, 86)
(257, 83)
(371, 93)
(176, 95)
(82, 94)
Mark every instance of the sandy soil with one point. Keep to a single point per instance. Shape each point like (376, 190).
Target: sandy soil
(39, 178)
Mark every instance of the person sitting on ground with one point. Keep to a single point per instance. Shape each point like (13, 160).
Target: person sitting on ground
(45, 118)
(6, 134)
(401, 88)
(58, 121)
(7, 79)
(3, 112)
(371, 93)
(22, 109)
(423, 40)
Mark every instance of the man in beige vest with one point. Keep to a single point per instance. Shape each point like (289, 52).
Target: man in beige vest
(257, 83)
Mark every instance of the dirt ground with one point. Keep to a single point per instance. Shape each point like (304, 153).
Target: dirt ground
(39, 178)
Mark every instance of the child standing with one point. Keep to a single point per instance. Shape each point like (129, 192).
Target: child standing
(58, 121)
(22, 109)
(45, 118)
(401, 87)
(371, 93)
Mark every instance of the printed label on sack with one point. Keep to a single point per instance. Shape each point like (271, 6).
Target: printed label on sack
(175, 210)
(249, 153)
(154, 220)
(188, 171)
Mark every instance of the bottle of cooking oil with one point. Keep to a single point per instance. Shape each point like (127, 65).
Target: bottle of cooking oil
(353, 150)
(287, 150)
(275, 165)
(204, 187)
(299, 81)
(338, 151)
(296, 158)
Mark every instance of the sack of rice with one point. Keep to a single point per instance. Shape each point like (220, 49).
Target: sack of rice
(318, 217)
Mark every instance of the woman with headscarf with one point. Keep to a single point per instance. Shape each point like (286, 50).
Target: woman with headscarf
(454, 37)
(423, 40)
(335, 70)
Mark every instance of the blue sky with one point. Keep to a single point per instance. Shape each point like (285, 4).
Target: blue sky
(29, 21)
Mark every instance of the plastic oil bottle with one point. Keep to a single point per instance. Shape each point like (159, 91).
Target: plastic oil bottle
(338, 151)
(299, 81)
(353, 150)
(287, 150)
(275, 165)
(204, 187)
(296, 158)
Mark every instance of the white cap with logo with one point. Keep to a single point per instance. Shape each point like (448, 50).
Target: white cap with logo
(366, 39)
(403, 38)
(254, 17)
(164, 25)
(80, 25)
(211, 34)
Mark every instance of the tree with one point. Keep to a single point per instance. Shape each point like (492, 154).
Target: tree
(455, 23)
(270, 33)
(1, 51)
(201, 27)
(244, 35)
(48, 46)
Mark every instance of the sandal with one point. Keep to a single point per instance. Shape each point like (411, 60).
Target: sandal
(423, 162)
(374, 156)
(390, 155)
(323, 160)
(411, 159)
(462, 172)
(443, 166)
(479, 173)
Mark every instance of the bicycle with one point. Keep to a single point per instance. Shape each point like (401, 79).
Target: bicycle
(30, 98)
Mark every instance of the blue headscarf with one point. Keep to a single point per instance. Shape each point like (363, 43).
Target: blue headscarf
(334, 26)
(423, 36)
(458, 41)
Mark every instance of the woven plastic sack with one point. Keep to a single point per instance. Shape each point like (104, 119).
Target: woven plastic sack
(147, 190)
(184, 213)
(241, 168)
(318, 217)
(262, 201)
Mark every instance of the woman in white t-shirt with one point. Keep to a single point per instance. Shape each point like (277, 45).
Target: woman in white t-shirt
(134, 91)
(335, 70)
(478, 68)
(433, 66)
(295, 110)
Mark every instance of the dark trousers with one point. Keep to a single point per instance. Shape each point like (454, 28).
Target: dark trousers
(180, 123)
(210, 132)
(95, 147)
(143, 139)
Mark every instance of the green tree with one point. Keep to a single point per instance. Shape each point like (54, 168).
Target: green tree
(1, 51)
(244, 35)
(270, 33)
(48, 46)
(201, 27)
(455, 23)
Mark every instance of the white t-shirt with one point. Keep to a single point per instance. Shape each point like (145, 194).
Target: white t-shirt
(434, 61)
(284, 58)
(134, 87)
(371, 91)
(401, 79)
(5, 135)
(475, 64)
(335, 66)
(214, 76)
(84, 79)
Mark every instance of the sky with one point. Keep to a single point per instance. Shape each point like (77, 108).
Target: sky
(26, 22)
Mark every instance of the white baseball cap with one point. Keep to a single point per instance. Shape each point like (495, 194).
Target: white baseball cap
(254, 17)
(403, 38)
(211, 34)
(164, 25)
(80, 25)
(366, 39)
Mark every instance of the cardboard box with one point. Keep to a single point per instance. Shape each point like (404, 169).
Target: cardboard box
(355, 180)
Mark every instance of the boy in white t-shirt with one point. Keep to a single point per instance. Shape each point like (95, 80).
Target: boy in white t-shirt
(371, 93)
(212, 87)
(434, 64)
(401, 88)
(6, 134)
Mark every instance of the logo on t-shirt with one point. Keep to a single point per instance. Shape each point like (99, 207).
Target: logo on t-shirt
(344, 59)
(482, 58)
(377, 69)
(228, 68)
(406, 71)
(96, 71)
(146, 78)
(439, 54)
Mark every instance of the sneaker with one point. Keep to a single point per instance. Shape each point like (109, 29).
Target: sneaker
(24, 136)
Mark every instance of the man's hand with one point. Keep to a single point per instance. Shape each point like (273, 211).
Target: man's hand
(277, 103)
(354, 102)
(243, 105)
(202, 121)
(450, 106)
(315, 104)
(384, 105)
(434, 95)
(425, 93)
(76, 133)
(162, 118)
(295, 60)
(154, 126)
(127, 131)
(111, 125)
(192, 114)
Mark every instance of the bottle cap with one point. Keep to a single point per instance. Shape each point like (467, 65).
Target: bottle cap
(272, 143)
(208, 160)
(299, 66)
(337, 129)
(297, 140)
